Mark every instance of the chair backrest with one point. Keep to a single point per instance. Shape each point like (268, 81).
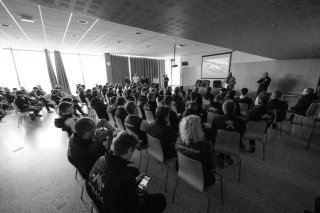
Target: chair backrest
(119, 124)
(149, 116)
(139, 112)
(210, 117)
(256, 129)
(154, 148)
(217, 84)
(191, 172)
(174, 108)
(228, 142)
(312, 110)
(111, 119)
(243, 108)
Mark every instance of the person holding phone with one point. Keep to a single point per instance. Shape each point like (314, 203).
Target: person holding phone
(117, 187)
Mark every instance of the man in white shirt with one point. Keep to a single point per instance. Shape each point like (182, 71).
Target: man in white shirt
(155, 80)
(135, 78)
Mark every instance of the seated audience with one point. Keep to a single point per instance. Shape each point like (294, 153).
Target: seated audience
(231, 96)
(112, 107)
(24, 105)
(281, 106)
(303, 103)
(113, 184)
(142, 101)
(227, 122)
(8, 95)
(196, 107)
(244, 99)
(151, 105)
(177, 100)
(120, 111)
(98, 105)
(216, 105)
(260, 112)
(82, 95)
(173, 117)
(67, 118)
(223, 92)
(133, 123)
(166, 134)
(55, 96)
(129, 95)
(207, 95)
(34, 94)
(199, 96)
(192, 143)
(83, 150)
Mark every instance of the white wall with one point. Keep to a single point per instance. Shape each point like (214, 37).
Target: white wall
(289, 76)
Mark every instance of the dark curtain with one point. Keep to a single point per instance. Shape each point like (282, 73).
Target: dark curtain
(120, 68)
(52, 75)
(61, 73)
(147, 67)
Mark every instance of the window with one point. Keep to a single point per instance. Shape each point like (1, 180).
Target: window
(32, 69)
(7, 71)
(73, 70)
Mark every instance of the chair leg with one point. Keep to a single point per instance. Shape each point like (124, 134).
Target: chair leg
(221, 190)
(147, 163)
(75, 176)
(140, 159)
(264, 149)
(311, 133)
(239, 169)
(175, 189)
(91, 209)
(165, 185)
(208, 207)
(267, 137)
(301, 124)
(82, 191)
(275, 136)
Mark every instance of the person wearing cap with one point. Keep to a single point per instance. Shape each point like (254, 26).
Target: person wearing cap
(83, 149)
(24, 105)
(263, 83)
(166, 134)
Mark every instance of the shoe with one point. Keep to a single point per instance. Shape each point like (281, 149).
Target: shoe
(38, 115)
(229, 160)
(50, 111)
(242, 146)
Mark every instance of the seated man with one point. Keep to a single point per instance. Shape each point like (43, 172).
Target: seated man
(82, 96)
(8, 95)
(24, 105)
(151, 105)
(303, 103)
(166, 134)
(55, 96)
(260, 112)
(133, 123)
(178, 101)
(173, 117)
(120, 111)
(280, 106)
(112, 106)
(83, 150)
(99, 106)
(231, 96)
(113, 184)
(244, 99)
(216, 105)
(34, 94)
(228, 122)
(129, 95)
(194, 99)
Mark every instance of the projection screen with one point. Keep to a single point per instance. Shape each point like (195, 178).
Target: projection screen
(216, 66)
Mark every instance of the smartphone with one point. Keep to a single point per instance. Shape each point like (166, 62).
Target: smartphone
(144, 182)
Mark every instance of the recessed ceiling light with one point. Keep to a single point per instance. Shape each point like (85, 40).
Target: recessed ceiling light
(196, 45)
(81, 21)
(148, 46)
(17, 36)
(27, 18)
(119, 41)
(138, 33)
(274, 25)
(5, 25)
(74, 35)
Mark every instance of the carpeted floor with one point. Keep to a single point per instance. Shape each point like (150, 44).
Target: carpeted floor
(35, 175)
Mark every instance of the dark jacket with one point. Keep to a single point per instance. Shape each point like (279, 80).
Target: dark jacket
(82, 97)
(215, 107)
(281, 107)
(228, 123)
(10, 98)
(142, 100)
(60, 123)
(100, 108)
(245, 100)
(179, 103)
(174, 121)
(167, 136)
(303, 104)
(111, 179)
(84, 153)
(260, 113)
(202, 152)
(133, 122)
(22, 103)
(121, 113)
(264, 83)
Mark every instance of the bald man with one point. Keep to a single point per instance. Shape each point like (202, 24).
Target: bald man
(263, 83)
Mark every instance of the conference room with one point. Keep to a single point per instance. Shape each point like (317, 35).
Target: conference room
(159, 106)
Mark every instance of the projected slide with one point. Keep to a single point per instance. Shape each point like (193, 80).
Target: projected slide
(215, 66)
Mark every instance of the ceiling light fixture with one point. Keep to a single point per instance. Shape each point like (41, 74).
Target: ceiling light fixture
(274, 25)
(74, 35)
(81, 21)
(27, 19)
(138, 33)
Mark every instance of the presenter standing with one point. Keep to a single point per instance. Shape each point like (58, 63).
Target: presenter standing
(230, 81)
(263, 83)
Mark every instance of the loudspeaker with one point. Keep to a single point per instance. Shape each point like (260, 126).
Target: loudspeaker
(184, 63)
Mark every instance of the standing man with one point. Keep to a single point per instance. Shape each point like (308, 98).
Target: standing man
(165, 81)
(136, 78)
(263, 83)
(230, 81)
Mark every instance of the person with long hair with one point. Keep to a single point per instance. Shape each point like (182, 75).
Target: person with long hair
(192, 143)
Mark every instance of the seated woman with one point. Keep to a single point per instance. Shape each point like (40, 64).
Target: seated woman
(166, 134)
(193, 144)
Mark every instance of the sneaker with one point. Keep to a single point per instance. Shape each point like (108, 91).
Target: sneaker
(229, 160)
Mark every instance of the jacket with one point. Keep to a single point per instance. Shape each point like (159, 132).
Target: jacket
(115, 185)
(84, 153)
(281, 107)
(100, 108)
(303, 104)
(121, 113)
